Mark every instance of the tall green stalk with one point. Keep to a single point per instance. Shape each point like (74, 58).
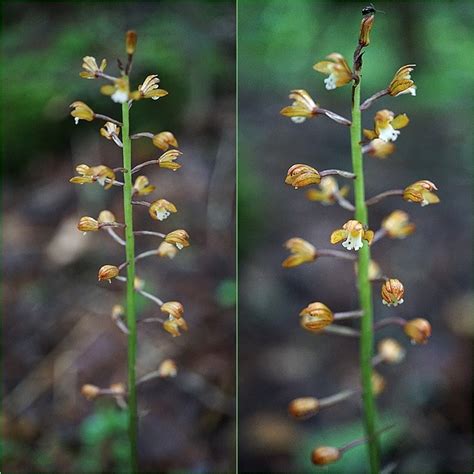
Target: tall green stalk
(130, 303)
(365, 289)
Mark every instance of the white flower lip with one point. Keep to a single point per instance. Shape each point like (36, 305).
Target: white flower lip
(162, 214)
(298, 119)
(119, 97)
(388, 134)
(330, 82)
(353, 242)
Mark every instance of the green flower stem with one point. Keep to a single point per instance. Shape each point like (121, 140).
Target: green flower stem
(365, 289)
(130, 305)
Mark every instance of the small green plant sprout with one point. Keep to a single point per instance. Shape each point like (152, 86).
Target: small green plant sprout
(134, 187)
(356, 235)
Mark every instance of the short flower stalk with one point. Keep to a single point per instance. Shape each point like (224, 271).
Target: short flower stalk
(124, 233)
(357, 238)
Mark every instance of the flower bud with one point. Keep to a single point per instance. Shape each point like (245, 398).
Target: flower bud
(164, 140)
(421, 192)
(90, 392)
(300, 175)
(106, 217)
(391, 351)
(179, 237)
(88, 224)
(379, 148)
(107, 272)
(398, 225)
(161, 209)
(168, 368)
(418, 330)
(378, 383)
(167, 250)
(316, 316)
(173, 308)
(303, 407)
(301, 252)
(117, 389)
(130, 41)
(118, 312)
(138, 283)
(325, 455)
(167, 160)
(392, 292)
(365, 27)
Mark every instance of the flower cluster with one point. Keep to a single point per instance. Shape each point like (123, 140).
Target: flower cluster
(355, 234)
(134, 187)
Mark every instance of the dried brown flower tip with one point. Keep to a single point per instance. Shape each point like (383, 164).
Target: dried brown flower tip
(142, 187)
(106, 217)
(161, 209)
(421, 192)
(164, 140)
(90, 392)
(379, 148)
(325, 455)
(392, 292)
(167, 160)
(167, 250)
(386, 126)
(402, 82)
(418, 330)
(398, 225)
(88, 224)
(303, 106)
(81, 111)
(168, 368)
(327, 192)
(130, 41)
(301, 252)
(353, 231)
(300, 175)
(179, 237)
(316, 316)
(391, 351)
(365, 27)
(173, 308)
(303, 407)
(90, 67)
(107, 272)
(338, 71)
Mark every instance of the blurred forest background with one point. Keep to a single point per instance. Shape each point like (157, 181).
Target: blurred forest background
(429, 395)
(57, 330)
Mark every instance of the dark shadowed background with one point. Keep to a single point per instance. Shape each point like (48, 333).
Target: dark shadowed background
(428, 395)
(57, 331)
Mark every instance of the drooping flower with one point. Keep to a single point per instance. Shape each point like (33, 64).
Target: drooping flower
(300, 175)
(111, 132)
(402, 82)
(161, 209)
(397, 225)
(166, 249)
(173, 326)
(328, 189)
(354, 233)
(167, 160)
(338, 71)
(81, 111)
(316, 316)
(303, 106)
(106, 217)
(164, 140)
(392, 292)
(421, 192)
(378, 383)
(107, 272)
(142, 187)
(386, 126)
(90, 392)
(179, 237)
(91, 68)
(418, 330)
(168, 368)
(301, 252)
(173, 308)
